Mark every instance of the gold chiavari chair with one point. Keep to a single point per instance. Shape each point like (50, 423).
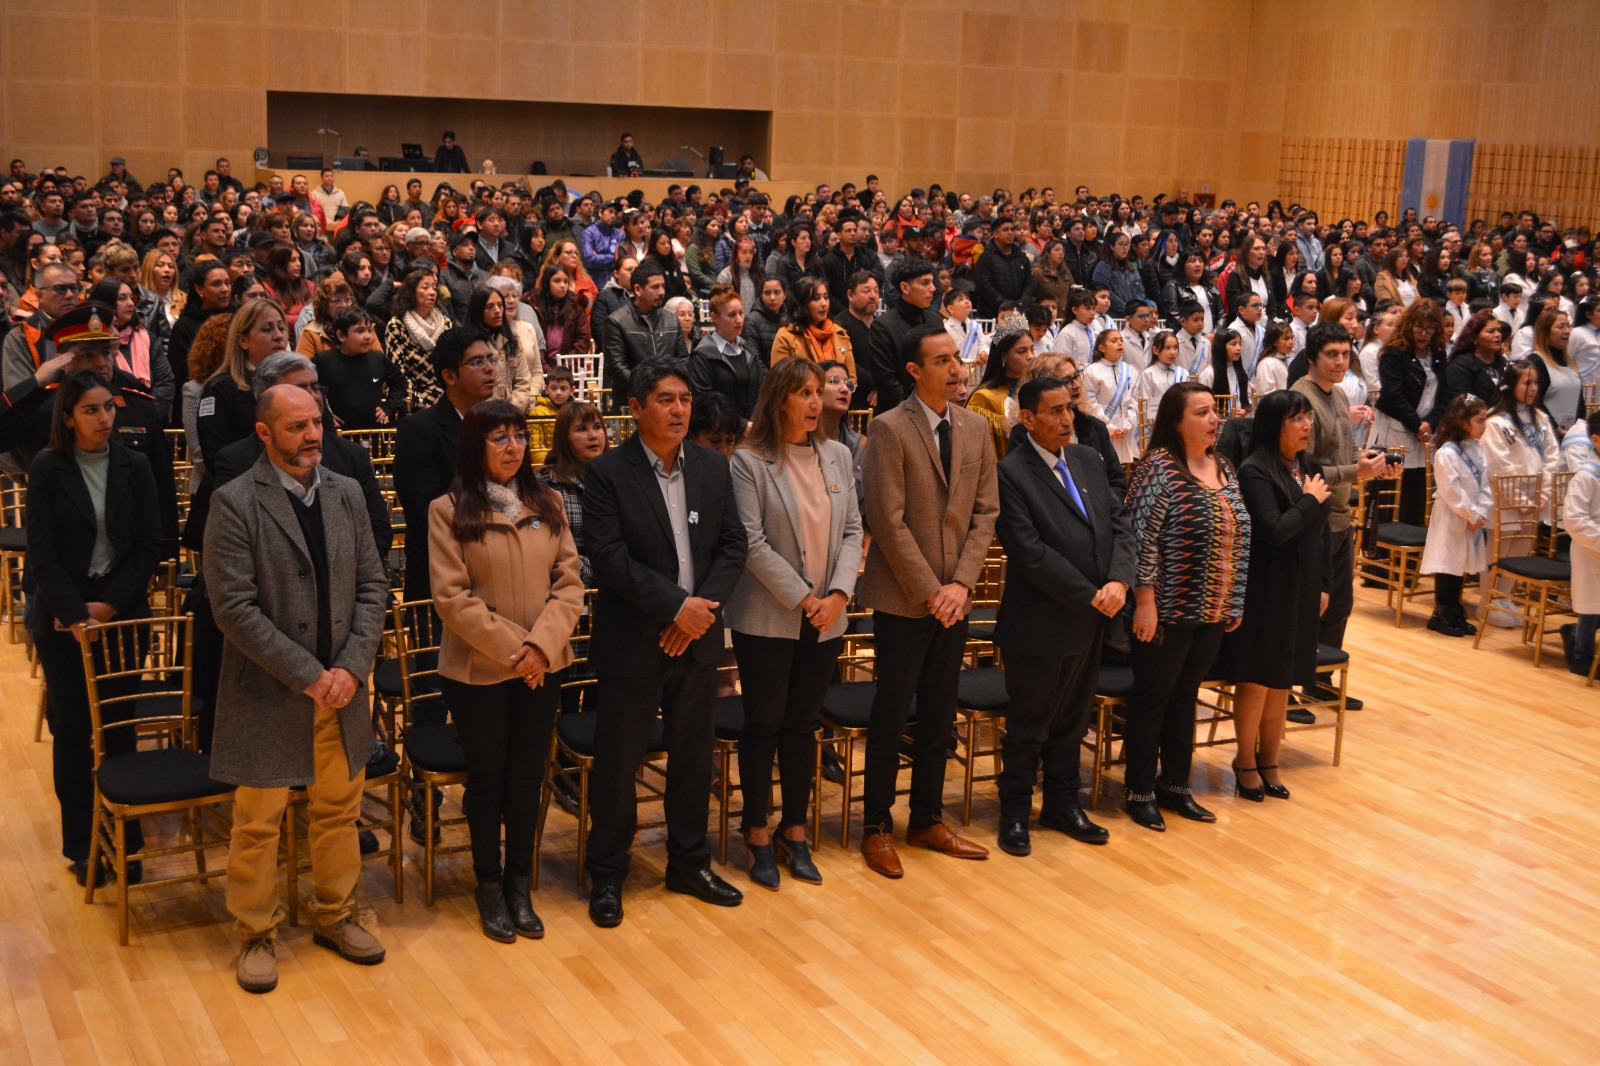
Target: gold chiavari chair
(378, 442)
(618, 428)
(541, 438)
(151, 697)
(1395, 559)
(1525, 559)
(13, 548)
(981, 699)
(858, 420)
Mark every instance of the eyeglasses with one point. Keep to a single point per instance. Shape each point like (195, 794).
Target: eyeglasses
(481, 362)
(846, 382)
(1068, 380)
(64, 289)
(506, 440)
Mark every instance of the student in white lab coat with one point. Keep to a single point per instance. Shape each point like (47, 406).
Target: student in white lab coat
(1463, 506)
(1111, 387)
(1076, 337)
(1141, 321)
(1225, 375)
(1272, 369)
(1194, 349)
(1519, 439)
(1581, 518)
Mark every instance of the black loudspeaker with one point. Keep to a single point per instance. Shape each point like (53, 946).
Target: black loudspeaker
(353, 162)
(714, 160)
(724, 172)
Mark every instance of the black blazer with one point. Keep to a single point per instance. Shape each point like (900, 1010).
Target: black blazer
(711, 371)
(338, 455)
(1091, 433)
(424, 467)
(635, 561)
(61, 532)
(1401, 380)
(1055, 560)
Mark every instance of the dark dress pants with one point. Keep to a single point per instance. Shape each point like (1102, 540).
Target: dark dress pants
(72, 738)
(916, 657)
(1341, 563)
(1052, 698)
(504, 731)
(685, 693)
(1166, 683)
(784, 682)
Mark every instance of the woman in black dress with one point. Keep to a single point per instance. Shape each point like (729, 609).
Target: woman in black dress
(1276, 646)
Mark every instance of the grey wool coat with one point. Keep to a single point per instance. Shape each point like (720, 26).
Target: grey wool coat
(259, 576)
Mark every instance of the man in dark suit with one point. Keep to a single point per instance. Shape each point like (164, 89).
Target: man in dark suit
(1069, 565)
(425, 442)
(667, 545)
(929, 484)
(885, 363)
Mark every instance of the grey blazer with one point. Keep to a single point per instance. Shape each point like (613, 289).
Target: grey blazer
(766, 601)
(259, 576)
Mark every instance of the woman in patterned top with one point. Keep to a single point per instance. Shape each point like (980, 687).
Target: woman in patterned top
(410, 335)
(1193, 532)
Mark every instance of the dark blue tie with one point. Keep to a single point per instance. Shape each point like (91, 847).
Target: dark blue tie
(1071, 487)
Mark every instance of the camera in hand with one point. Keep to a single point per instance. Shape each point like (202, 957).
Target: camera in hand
(1394, 456)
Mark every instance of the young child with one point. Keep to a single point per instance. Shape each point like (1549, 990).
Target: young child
(1163, 372)
(1306, 311)
(1194, 350)
(956, 310)
(1224, 374)
(1110, 384)
(1076, 337)
(1463, 506)
(558, 388)
(1576, 447)
(1456, 311)
(715, 423)
(1272, 369)
(1042, 324)
(1102, 306)
(364, 388)
(1509, 309)
(1581, 517)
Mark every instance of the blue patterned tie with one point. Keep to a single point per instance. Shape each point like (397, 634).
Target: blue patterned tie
(1071, 487)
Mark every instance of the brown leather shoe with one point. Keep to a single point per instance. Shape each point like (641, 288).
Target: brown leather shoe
(878, 850)
(938, 837)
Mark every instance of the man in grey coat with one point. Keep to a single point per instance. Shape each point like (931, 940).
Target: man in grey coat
(299, 592)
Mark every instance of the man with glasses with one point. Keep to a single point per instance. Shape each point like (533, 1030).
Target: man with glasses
(1250, 327)
(26, 346)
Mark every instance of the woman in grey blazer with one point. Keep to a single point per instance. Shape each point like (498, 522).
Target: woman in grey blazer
(796, 496)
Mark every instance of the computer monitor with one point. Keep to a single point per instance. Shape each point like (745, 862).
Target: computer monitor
(411, 151)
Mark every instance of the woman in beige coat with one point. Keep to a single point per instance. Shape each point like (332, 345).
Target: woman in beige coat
(506, 586)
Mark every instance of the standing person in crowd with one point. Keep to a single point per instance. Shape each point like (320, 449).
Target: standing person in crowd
(563, 314)
(808, 332)
(1050, 274)
(599, 249)
(425, 442)
(1110, 382)
(1070, 552)
(743, 272)
(1004, 273)
(1583, 349)
(1477, 363)
(506, 585)
(1272, 369)
(1119, 273)
(1010, 352)
(515, 378)
(1136, 333)
(1275, 646)
(365, 389)
(959, 321)
(1333, 448)
(299, 593)
(796, 496)
(1249, 274)
(1225, 374)
(411, 335)
(285, 280)
(1463, 507)
(657, 635)
(227, 407)
(885, 365)
(580, 436)
(1560, 385)
(641, 331)
(931, 500)
(136, 355)
(450, 157)
(1191, 283)
(725, 361)
(93, 541)
(1411, 372)
(1580, 517)
(1520, 438)
(333, 295)
(27, 346)
(1163, 372)
(1193, 535)
(800, 261)
(763, 320)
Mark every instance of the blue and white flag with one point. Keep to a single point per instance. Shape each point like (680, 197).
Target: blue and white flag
(1436, 178)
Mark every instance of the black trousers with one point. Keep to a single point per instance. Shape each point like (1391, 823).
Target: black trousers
(685, 693)
(504, 731)
(1341, 563)
(1166, 682)
(1052, 698)
(916, 657)
(784, 684)
(208, 645)
(72, 733)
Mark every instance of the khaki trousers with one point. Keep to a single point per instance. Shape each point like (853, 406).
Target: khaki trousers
(334, 801)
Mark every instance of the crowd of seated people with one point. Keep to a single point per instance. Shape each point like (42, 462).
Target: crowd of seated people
(1160, 412)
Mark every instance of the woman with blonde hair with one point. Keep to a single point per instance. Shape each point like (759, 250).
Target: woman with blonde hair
(227, 411)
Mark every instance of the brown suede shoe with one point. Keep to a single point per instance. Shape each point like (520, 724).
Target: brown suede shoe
(353, 943)
(938, 837)
(878, 849)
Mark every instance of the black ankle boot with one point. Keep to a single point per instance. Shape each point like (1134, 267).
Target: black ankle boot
(493, 914)
(519, 904)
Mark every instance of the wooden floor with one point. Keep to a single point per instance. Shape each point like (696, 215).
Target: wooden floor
(1434, 900)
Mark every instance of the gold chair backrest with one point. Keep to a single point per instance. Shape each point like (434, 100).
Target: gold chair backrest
(418, 634)
(1517, 500)
(156, 656)
(618, 428)
(379, 443)
(858, 420)
(13, 501)
(1560, 481)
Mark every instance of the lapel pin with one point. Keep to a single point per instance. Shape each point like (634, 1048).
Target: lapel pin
(835, 488)
(694, 518)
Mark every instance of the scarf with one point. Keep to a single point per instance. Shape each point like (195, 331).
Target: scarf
(821, 338)
(425, 332)
(135, 354)
(505, 500)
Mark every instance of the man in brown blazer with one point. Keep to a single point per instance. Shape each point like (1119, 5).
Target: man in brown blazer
(931, 504)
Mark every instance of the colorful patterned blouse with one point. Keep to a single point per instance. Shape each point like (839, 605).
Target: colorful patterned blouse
(1194, 541)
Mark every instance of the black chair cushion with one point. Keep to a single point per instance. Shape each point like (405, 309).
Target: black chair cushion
(434, 748)
(13, 539)
(383, 763)
(1328, 656)
(1115, 681)
(1402, 535)
(729, 717)
(983, 689)
(1536, 568)
(848, 704)
(860, 627)
(164, 775)
(577, 732)
(386, 675)
(982, 620)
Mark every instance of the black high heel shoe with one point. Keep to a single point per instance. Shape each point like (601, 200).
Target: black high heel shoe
(1254, 795)
(1181, 802)
(763, 867)
(1275, 791)
(797, 853)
